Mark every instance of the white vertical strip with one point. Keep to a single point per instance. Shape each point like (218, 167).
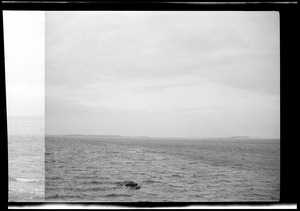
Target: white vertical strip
(24, 48)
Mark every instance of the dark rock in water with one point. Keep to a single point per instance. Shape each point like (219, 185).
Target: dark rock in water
(129, 184)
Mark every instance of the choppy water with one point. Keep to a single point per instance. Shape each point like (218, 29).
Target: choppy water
(84, 168)
(26, 159)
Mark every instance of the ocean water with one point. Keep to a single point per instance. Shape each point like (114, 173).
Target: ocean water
(26, 159)
(89, 168)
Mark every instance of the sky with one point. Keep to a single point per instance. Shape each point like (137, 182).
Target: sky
(162, 73)
(24, 51)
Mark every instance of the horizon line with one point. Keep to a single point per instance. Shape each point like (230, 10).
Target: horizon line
(175, 137)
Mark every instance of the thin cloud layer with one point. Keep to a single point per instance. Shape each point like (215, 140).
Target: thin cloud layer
(155, 44)
(164, 61)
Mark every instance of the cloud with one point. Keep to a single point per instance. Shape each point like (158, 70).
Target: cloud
(63, 117)
(84, 47)
(140, 68)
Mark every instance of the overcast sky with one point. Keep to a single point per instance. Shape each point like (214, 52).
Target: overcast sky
(176, 74)
(24, 42)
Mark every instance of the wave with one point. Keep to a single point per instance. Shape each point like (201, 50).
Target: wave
(82, 188)
(93, 182)
(86, 177)
(117, 195)
(151, 181)
(177, 175)
(95, 189)
(14, 179)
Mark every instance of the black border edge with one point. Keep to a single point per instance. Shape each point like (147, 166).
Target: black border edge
(288, 64)
(148, 6)
(288, 13)
(4, 135)
(148, 204)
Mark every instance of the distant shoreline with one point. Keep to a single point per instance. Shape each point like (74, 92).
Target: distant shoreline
(157, 137)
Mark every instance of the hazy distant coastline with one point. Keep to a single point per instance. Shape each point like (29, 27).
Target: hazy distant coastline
(157, 137)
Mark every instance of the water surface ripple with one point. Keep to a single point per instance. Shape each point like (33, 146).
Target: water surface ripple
(82, 168)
